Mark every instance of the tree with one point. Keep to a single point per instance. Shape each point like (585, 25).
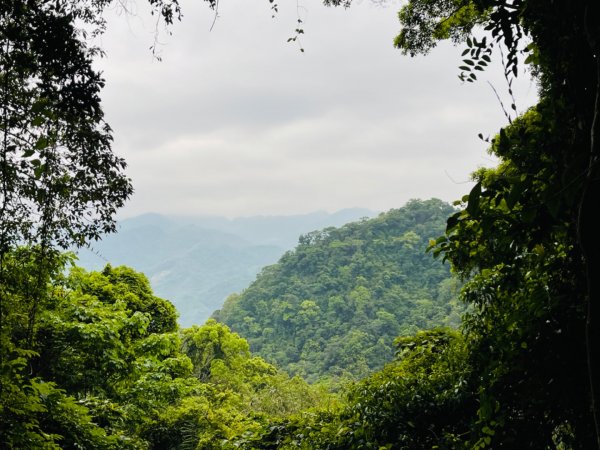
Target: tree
(527, 234)
(60, 183)
(36, 412)
(107, 369)
(521, 286)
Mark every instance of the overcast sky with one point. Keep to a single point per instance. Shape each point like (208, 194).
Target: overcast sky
(237, 121)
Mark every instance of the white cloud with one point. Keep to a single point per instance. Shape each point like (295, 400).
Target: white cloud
(238, 121)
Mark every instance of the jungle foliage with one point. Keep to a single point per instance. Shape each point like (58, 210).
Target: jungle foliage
(526, 237)
(95, 360)
(524, 241)
(332, 307)
(107, 367)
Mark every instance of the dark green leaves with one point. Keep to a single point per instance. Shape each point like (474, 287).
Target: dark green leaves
(473, 202)
(51, 111)
(478, 53)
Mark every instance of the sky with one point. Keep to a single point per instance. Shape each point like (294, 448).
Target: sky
(237, 121)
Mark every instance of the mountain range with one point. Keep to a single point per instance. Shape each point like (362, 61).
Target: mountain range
(198, 261)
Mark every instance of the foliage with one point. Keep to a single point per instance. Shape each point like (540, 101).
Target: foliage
(107, 367)
(197, 262)
(66, 356)
(333, 306)
(424, 22)
(521, 262)
(526, 235)
(420, 401)
(36, 413)
(524, 241)
(61, 183)
(95, 360)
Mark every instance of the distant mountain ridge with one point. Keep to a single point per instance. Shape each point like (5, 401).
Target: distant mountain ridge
(198, 261)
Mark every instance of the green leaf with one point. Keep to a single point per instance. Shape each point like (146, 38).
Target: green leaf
(474, 198)
(37, 121)
(451, 222)
(41, 143)
(38, 171)
(514, 195)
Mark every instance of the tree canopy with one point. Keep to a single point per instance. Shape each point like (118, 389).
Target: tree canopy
(333, 305)
(96, 360)
(524, 241)
(526, 237)
(108, 368)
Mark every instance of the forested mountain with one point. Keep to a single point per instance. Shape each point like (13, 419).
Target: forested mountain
(332, 306)
(97, 361)
(196, 262)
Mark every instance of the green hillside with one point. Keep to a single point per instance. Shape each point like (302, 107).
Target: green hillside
(198, 261)
(332, 307)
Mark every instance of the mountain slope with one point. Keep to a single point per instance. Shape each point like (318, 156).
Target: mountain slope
(333, 306)
(196, 262)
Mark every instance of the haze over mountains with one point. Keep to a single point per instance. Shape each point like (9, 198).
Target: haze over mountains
(196, 262)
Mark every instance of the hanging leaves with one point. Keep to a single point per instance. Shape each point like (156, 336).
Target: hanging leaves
(478, 56)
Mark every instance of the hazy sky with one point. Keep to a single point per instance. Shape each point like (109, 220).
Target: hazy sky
(237, 121)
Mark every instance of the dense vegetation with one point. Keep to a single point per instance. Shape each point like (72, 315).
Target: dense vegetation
(95, 360)
(197, 261)
(525, 241)
(421, 400)
(107, 367)
(332, 306)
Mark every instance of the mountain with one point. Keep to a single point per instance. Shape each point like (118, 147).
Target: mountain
(197, 261)
(333, 306)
